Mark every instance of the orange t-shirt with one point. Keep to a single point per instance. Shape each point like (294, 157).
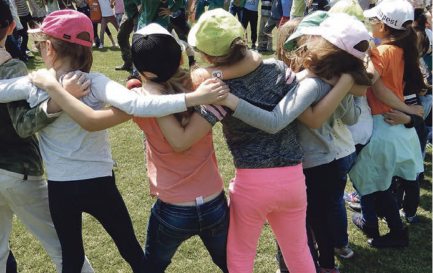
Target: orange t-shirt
(179, 177)
(389, 63)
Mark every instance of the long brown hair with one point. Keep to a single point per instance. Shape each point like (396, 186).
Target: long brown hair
(80, 57)
(408, 41)
(326, 61)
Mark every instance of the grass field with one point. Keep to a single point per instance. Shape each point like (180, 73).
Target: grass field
(127, 147)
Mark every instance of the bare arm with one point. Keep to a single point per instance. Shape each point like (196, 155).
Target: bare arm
(389, 98)
(182, 138)
(88, 118)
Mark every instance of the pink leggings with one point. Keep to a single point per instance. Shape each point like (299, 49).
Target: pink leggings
(279, 196)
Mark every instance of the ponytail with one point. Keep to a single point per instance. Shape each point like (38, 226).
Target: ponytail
(407, 40)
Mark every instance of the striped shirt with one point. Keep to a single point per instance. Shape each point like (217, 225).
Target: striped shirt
(22, 8)
(266, 7)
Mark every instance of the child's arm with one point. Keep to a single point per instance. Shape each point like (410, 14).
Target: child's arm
(316, 115)
(395, 117)
(182, 138)
(86, 117)
(389, 98)
(27, 121)
(349, 110)
(15, 89)
(291, 106)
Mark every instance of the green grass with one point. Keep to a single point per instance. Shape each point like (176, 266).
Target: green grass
(127, 146)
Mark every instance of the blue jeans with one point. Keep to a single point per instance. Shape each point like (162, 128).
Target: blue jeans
(325, 191)
(170, 225)
(381, 203)
(11, 264)
(341, 238)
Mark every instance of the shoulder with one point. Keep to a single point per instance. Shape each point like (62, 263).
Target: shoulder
(389, 51)
(271, 66)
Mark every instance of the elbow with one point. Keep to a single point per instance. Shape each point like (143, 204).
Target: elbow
(179, 148)
(90, 125)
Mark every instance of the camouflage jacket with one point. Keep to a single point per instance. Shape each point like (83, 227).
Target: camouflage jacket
(19, 148)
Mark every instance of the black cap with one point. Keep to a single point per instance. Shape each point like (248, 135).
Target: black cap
(5, 14)
(156, 52)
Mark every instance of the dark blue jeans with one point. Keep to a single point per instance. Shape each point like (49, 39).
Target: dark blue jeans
(11, 264)
(325, 190)
(407, 194)
(170, 225)
(341, 238)
(384, 204)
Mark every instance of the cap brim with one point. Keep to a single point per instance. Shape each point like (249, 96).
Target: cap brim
(311, 31)
(37, 35)
(192, 36)
(371, 13)
(152, 29)
(290, 43)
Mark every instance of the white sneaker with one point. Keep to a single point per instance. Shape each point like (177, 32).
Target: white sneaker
(101, 46)
(344, 252)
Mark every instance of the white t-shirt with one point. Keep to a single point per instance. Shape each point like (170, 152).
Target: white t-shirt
(72, 153)
(106, 9)
(362, 130)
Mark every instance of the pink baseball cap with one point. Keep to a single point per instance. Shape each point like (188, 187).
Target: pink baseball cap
(65, 25)
(343, 31)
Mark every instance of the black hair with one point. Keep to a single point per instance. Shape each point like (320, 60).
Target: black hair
(6, 18)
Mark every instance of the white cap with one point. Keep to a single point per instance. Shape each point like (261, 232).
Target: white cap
(393, 13)
(343, 31)
(154, 28)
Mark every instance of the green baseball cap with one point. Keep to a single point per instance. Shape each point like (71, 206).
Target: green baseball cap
(350, 7)
(312, 20)
(214, 32)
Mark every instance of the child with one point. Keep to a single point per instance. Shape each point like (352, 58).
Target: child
(23, 189)
(269, 183)
(182, 168)
(342, 48)
(107, 17)
(250, 15)
(392, 150)
(78, 162)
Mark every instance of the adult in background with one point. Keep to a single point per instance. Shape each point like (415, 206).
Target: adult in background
(126, 27)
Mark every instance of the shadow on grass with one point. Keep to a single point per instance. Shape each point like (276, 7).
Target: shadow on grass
(426, 202)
